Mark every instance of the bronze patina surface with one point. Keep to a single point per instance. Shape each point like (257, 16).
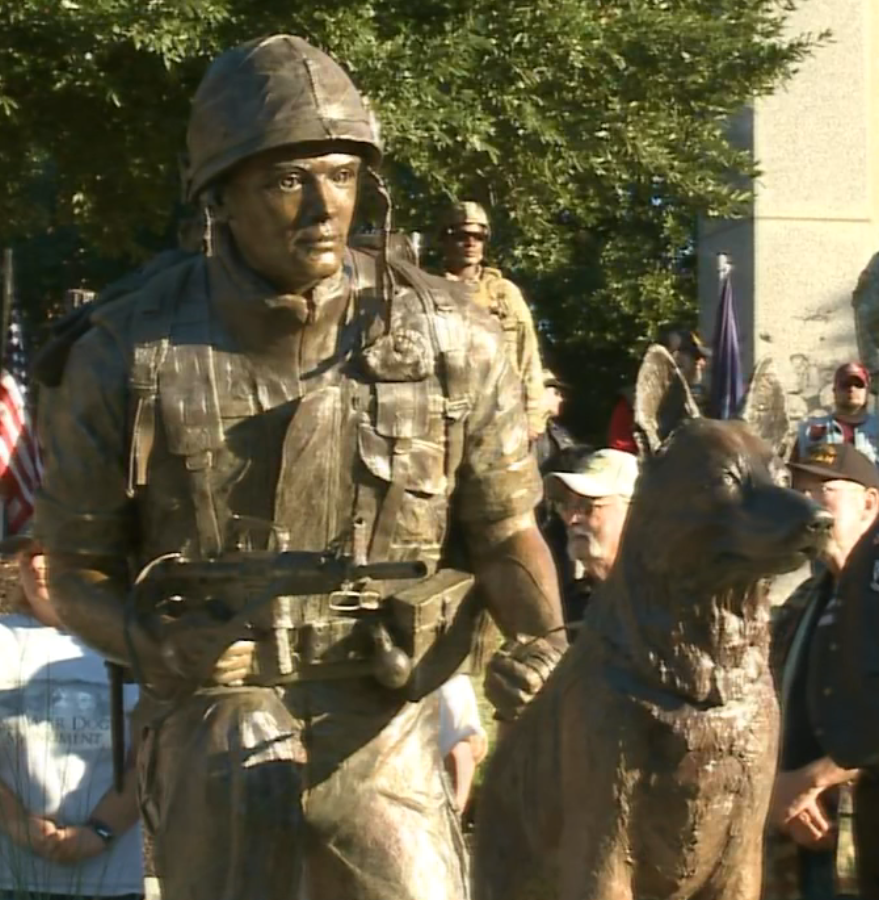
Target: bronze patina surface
(644, 767)
(277, 395)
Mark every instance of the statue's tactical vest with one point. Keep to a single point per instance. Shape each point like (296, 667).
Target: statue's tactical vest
(493, 288)
(227, 453)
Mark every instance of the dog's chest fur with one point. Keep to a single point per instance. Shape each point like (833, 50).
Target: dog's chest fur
(691, 781)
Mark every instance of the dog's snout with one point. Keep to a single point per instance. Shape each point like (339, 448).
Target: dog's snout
(820, 524)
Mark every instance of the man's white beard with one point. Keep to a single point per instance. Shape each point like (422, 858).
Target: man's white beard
(585, 548)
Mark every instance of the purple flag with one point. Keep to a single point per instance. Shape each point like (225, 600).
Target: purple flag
(727, 389)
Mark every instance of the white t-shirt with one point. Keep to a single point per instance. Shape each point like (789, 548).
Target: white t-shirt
(459, 713)
(55, 753)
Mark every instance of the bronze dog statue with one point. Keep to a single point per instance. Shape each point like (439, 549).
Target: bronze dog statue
(644, 767)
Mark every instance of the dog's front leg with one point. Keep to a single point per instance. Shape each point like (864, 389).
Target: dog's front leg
(739, 875)
(593, 861)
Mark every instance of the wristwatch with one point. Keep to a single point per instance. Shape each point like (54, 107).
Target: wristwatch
(102, 830)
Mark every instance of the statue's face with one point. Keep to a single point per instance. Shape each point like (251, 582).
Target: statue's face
(290, 215)
(464, 246)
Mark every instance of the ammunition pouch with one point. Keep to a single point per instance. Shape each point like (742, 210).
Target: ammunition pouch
(433, 622)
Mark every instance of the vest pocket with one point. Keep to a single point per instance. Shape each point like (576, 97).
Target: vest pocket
(419, 465)
(414, 472)
(402, 408)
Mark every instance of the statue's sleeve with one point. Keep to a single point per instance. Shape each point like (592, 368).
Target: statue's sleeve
(498, 477)
(529, 362)
(82, 506)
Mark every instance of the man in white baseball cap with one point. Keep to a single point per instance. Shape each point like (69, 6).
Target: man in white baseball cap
(593, 502)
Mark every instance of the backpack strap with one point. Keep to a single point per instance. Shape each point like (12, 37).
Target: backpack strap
(448, 332)
(150, 327)
(152, 323)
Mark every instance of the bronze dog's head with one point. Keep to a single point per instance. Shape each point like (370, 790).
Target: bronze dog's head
(710, 520)
(714, 501)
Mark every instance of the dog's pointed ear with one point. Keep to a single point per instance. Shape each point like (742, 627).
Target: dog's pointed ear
(662, 399)
(765, 407)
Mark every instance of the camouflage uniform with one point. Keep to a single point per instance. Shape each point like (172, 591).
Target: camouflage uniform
(491, 291)
(167, 433)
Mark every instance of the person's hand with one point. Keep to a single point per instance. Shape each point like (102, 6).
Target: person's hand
(198, 649)
(794, 792)
(31, 832)
(811, 829)
(517, 672)
(71, 844)
(234, 664)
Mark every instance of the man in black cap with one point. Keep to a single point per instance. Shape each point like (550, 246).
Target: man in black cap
(554, 438)
(811, 803)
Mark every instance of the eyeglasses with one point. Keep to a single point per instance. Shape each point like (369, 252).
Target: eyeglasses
(826, 489)
(583, 506)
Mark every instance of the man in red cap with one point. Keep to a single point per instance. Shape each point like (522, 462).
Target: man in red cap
(850, 422)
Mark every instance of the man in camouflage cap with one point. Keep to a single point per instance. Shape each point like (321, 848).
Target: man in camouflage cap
(276, 393)
(465, 233)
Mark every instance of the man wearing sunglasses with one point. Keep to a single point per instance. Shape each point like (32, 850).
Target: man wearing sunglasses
(464, 236)
(850, 422)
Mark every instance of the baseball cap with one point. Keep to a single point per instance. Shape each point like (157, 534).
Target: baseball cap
(601, 474)
(852, 370)
(839, 461)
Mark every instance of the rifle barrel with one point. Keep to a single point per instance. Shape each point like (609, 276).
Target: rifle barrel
(313, 572)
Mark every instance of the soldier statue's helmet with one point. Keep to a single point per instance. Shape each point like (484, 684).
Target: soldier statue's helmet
(269, 93)
(468, 212)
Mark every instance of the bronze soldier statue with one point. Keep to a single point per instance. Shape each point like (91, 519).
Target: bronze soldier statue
(465, 232)
(247, 425)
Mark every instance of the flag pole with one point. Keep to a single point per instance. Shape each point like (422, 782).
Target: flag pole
(6, 307)
(724, 267)
(5, 314)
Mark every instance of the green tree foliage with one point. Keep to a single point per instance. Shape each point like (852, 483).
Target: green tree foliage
(595, 132)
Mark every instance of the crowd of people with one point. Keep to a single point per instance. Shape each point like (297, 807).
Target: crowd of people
(339, 764)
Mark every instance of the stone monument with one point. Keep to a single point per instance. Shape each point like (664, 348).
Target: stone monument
(814, 224)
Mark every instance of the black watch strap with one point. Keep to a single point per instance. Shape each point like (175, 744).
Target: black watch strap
(102, 830)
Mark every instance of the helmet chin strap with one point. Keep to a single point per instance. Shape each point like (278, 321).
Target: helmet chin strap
(208, 203)
(387, 283)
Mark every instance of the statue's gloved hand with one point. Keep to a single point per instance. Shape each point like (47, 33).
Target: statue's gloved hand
(517, 672)
(201, 650)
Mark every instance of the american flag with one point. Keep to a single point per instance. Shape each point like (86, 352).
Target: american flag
(16, 355)
(20, 466)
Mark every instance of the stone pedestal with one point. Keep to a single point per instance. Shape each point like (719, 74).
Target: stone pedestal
(815, 222)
